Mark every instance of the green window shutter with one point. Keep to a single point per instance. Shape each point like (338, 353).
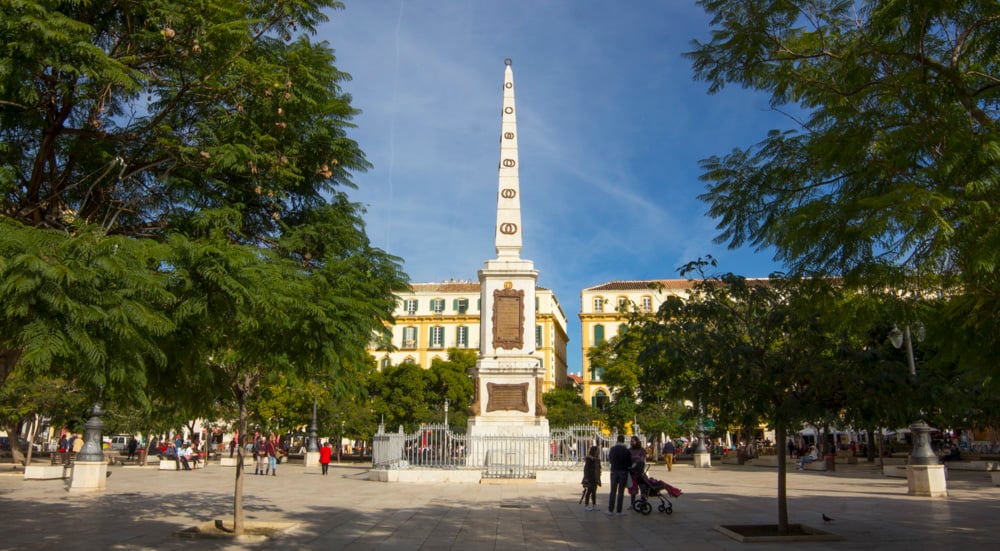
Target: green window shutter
(598, 334)
(479, 304)
(454, 304)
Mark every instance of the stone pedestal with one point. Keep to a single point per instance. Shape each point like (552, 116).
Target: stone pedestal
(44, 472)
(89, 476)
(702, 460)
(926, 480)
(312, 459)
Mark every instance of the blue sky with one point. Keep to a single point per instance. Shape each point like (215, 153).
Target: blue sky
(611, 126)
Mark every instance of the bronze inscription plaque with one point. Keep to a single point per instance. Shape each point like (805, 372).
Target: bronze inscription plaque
(508, 319)
(506, 397)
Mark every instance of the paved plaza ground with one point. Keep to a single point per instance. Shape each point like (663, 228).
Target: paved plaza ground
(143, 508)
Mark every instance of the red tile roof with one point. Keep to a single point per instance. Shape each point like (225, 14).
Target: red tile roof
(637, 285)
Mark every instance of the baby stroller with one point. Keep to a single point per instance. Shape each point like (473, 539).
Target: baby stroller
(648, 487)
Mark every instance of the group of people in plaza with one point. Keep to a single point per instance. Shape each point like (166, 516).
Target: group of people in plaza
(626, 463)
(267, 452)
(183, 452)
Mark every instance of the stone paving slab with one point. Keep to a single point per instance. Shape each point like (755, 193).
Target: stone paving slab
(143, 508)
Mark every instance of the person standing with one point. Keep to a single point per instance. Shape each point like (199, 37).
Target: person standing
(324, 456)
(260, 455)
(591, 478)
(133, 445)
(272, 457)
(620, 459)
(637, 466)
(669, 449)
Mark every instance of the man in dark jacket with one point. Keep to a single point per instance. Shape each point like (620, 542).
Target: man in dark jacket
(620, 460)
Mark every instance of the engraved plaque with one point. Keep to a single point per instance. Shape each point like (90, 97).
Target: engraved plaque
(508, 319)
(507, 397)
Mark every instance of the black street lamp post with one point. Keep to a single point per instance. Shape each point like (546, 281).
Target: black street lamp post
(92, 442)
(313, 446)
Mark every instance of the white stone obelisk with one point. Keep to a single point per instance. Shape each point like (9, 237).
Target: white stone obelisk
(508, 379)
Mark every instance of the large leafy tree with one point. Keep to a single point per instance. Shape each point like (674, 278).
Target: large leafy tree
(172, 204)
(749, 352)
(894, 157)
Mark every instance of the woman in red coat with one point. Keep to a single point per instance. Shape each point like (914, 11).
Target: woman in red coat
(324, 456)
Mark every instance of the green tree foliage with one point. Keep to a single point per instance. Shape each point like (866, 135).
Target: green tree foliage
(747, 352)
(638, 389)
(172, 205)
(450, 379)
(567, 408)
(895, 156)
(401, 395)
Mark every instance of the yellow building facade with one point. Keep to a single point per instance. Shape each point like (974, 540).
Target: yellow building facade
(434, 317)
(603, 310)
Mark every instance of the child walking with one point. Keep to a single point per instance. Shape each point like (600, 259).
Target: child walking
(591, 478)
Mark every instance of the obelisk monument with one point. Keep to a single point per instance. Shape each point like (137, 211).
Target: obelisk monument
(508, 378)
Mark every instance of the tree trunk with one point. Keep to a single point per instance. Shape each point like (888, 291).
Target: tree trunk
(13, 436)
(32, 430)
(781, 435)
(8, 359)
(238, 492)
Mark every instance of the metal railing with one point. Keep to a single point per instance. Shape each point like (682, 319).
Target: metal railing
(497, 456)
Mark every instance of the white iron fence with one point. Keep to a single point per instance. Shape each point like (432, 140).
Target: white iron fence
(438, 447)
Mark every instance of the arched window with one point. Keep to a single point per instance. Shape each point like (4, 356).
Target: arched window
(600, 400)
(598, 334)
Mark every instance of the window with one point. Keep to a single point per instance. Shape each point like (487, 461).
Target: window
(598, 304)
(409, 337)
(537, 304)
(462, 337)
(621, 329)
(647, 304)
(437, 305)
(461, 305)
(596, 373)
(598, 334)
(600, 400)
(410, 305)
(386, 363)
(623, 304)
(538, 336)
(437, 337)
